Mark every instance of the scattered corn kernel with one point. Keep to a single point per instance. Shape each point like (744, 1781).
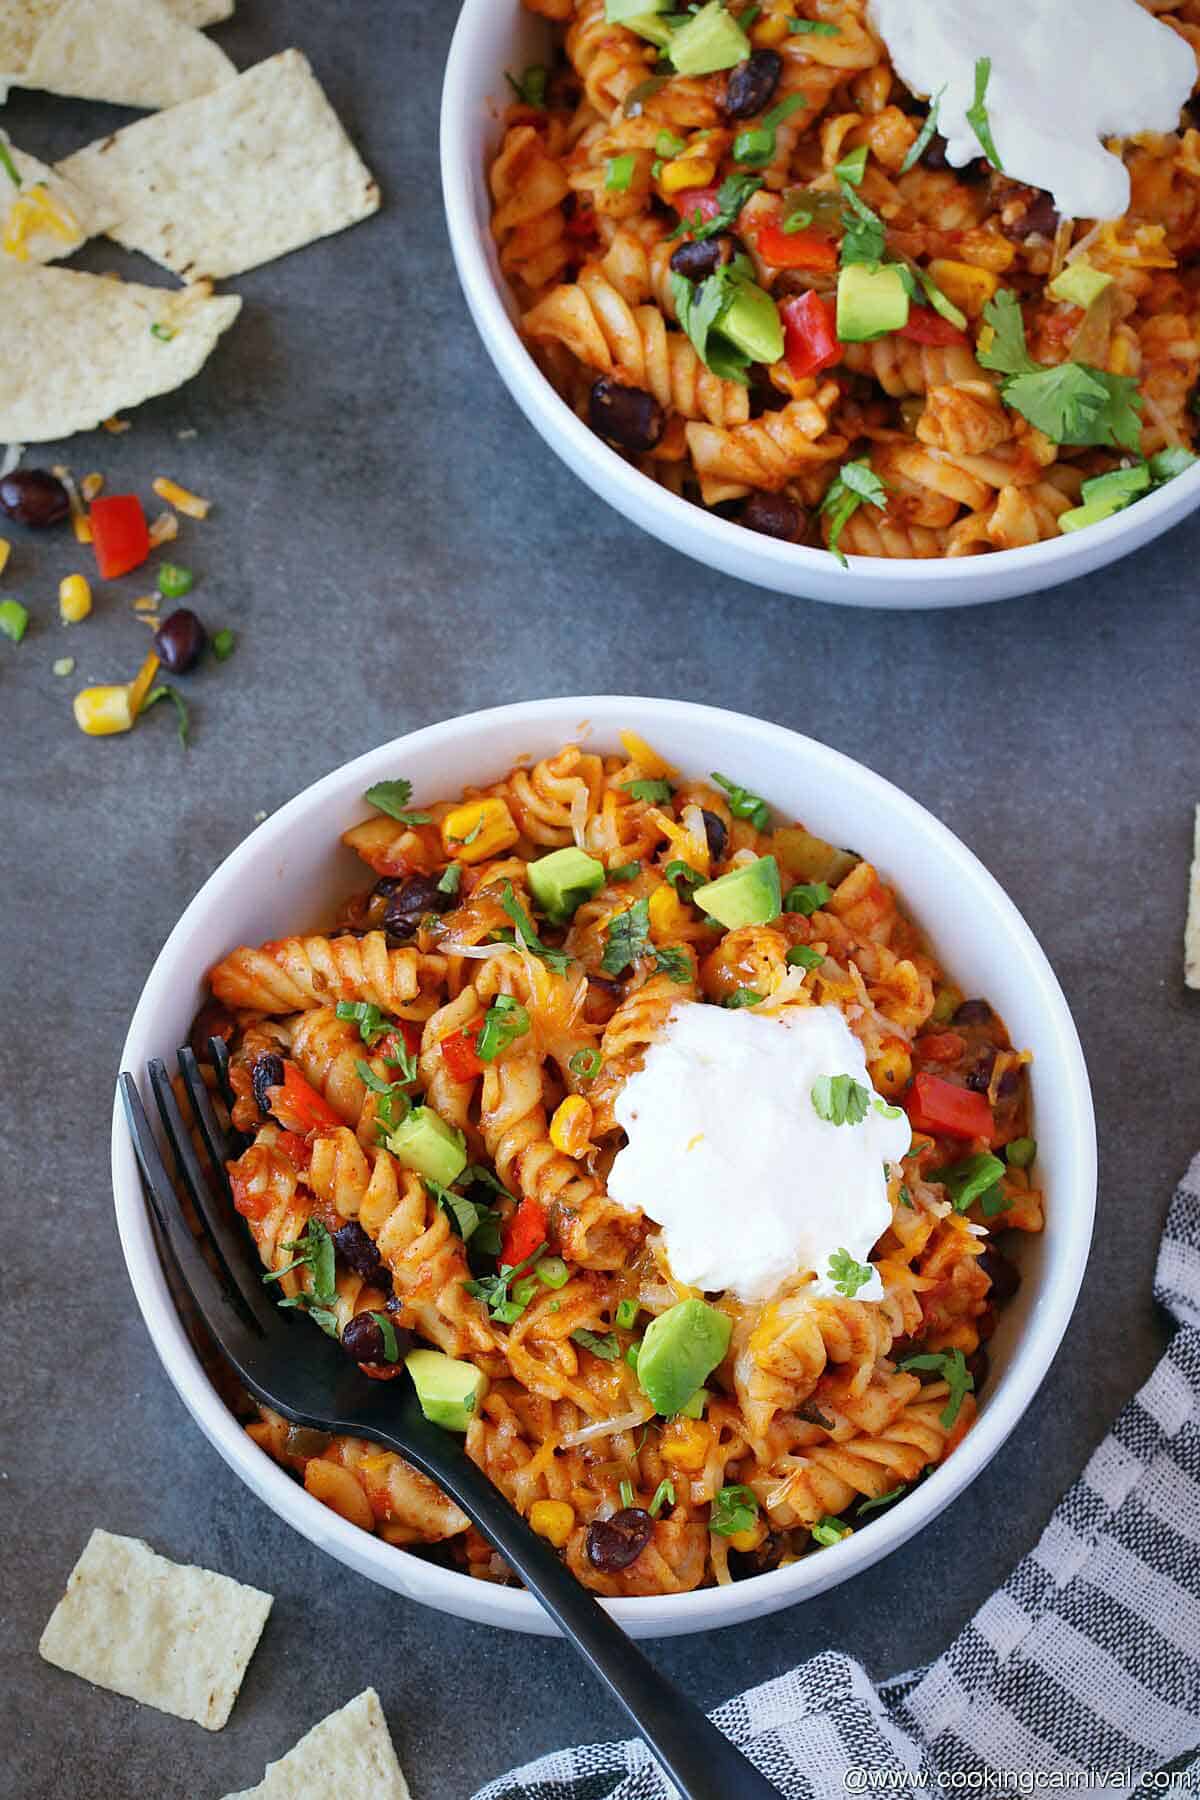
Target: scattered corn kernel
(91, 485)
(769, 33)
(479, 829)
(116, 426)
(686, 838)
(571, 1126)
(5, 553)
(649, 762)
(74, 599)
(103, 711)
(65, 665)
(142, 682)
(891, 1070)
(968, 287)
(180, 498)
(146, 603)
(686, 172)
(552, 1519)
(685, 1444)
(164, 529)
(749, 1539)
(668, 915)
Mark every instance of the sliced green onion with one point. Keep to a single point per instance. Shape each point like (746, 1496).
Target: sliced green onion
(619, 173)
(585, 1065)
(664, 1493)
(628, 1496)
(626, 1314)
(174, 581)
(1021, 1152)
(553, 1271)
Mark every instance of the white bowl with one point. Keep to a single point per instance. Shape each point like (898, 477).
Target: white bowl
(497, 35)
(291, 872)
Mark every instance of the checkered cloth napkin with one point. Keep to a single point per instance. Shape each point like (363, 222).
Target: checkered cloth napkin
(1082, 1674)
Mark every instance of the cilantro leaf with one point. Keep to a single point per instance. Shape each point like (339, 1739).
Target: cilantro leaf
(316, 1253)
(969, 1180)
(812, 28)
(977, 112)
(626, 938)
(742, 996)
(952, 1367)
(701, 308)
(608, 1348)
(391, 797)
(865, 236)
(732, 195)
(530, 86)
(451, 879)
(926, 134)
(655, 793)
(391, 1101)
(1165, 465)
(856, 482)
(1008, 353)
(504, 1022)
(1076, 404)
(670, 959)
(493, 1289)
(471, 1219)
(372, 1023)
(734, 1509)
(743, 804)
(848, 1275)
(555, 960)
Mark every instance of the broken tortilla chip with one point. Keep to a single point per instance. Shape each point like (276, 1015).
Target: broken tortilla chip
(223, 183)
(42, 215)
(129, 52)
(79, 348)
(23, 21)
(167, 1634)
(350, 1752)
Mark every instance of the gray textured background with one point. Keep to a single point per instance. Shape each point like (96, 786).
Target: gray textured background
(393, 545)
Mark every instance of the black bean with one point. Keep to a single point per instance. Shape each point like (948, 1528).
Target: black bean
(613, 1544)
(935, 153)
(212, 1021)
(1003, 1274)
(775, 515)
(180, 640)
(415, 896)
(1008, 1084)
(980, 1077)
(702, 257)
(716, 833)
(268, 1073)
(1039, 219)
(34, 497)
(751, 85)
(386, 886)
(978, 1367)
(973, 1012)
(629, 416)
(360, 1252)
(363, 1339)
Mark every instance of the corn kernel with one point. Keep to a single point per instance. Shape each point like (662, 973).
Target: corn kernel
(571, 1126)
(5, 553)
(968, 287)
(749, 1539)
(480, 829)
(690, 845)
(686, 172)
(103, 711)
(648, 761)
(891, 1070)
(74, 599)
(552, 1519)
(685, 1444)
(769, 33)
(91, 485)
(668, 915)
(180, 498)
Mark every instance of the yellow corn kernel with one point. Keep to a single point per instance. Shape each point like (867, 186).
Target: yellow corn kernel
(686, 172)
(180, 498)
(769, 33)
(164, 529)
(338, 1489)
(968, 287)
(5, 553)
(1120, 355)
(74, 599)
(553, 1519)
(571, 1126)
(91, 485)
(103, 711)
(142, 682)
(891, 1069)
(749, 1539)
(685, 1444)
(480, 829)
(668, 915)
(690, 845)
(648, 761)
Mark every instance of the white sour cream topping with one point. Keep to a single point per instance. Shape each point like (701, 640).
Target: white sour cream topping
(729, 1155)
(1065, 73)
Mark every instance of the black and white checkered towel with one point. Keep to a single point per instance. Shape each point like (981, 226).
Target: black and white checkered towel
(1082, 1674)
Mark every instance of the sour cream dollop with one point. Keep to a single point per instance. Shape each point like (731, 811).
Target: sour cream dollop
(728, 1153)
(1065, 73)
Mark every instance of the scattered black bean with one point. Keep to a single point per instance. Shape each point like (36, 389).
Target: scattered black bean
(775, 515)
(716, 833)
(1008, 1084)
(629, 416)
(1039, 219)
(212, 1021)
(1002, 1272)
(180, 640)
(386, 886)
(702, 257)
(360, 1252)
(612, 1544)
(268, 1073)
(415, 896)
(978, 1367)
(973, 1012)
(363, 1340)
(980, 1077)
(34, 497)
(935, 153)
(751, 85)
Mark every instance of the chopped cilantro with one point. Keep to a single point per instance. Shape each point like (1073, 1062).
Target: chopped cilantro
(807, 897)
(608, 1348)
(732, 195)
(655, 793)
(391, 1101)
(882, 1499)
(166, 692)
(701, 307)
(856, 482)
(951, 1366)
(556, 960)
(670, 959)
(969, 1180)
(391, 1346)
(756, 147)
(684, 878)
(926, 134)
(372, 1024)
(1071, 402)
(626, 938)
(865, 236)
(530, 87)
(743, 996)
(504, 1022)
(451, 879)
(827, 1531)
(585, 1065)
(812, 28)
(477, 1225)
(846, 1274)
(840, 1100)
(977, 113)
(391, 797)
(801, 957)
(625, 872)
(493, 1289)
(316, 1253)
(664, 1493)
(734, 1509)
(995, 1201)
(743, 804)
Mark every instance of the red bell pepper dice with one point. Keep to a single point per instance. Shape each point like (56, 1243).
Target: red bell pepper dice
(697, 200)
(120, 536)
(459, 1053)
(311, 1110)
(796, 249)
(927, 327)
(942, 1109)
(523, 1233)
(809, 334)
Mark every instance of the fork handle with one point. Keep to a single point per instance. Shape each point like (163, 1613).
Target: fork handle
(699, 1759)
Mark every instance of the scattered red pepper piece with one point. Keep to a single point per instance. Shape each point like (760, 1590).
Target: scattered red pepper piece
(928, 327)
(523, 1233)
(409, 1035)
(459, 1053)
(940, 1047)
(120, 535)
(796, 249)
(939, 1106)
(809, 334)
(301, 1101)
(298, 1150)
(696, 200)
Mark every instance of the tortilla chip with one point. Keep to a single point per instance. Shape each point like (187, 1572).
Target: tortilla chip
(1191, 935)
(245, 174)
(46, 216)
(23, 21)
(171, 1636)
(350, 1752)
(79, 348)
(131, 52)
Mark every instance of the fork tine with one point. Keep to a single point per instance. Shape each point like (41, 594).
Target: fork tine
(244, 1282)
(218, 1049)
(222, 1145)
(212, 1301)
(225, 1229)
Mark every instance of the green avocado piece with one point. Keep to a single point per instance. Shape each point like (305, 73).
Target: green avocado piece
(870, 302)
(712, 39)
(680, 1348)
(423, 1141)
(751, 321)
(564, 880)
(627, 12)
(1106, 495)
(747, 896)
(449, 1391)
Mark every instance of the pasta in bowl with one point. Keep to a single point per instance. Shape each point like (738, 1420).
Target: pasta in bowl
(439, 1085)
(761, 296)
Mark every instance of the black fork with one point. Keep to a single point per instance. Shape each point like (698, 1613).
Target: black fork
(299, 1373)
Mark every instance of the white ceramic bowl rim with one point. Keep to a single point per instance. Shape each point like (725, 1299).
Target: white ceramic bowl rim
(555, 419)
(705, 1608)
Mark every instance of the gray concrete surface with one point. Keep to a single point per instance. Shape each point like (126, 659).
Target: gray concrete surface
(393, 545)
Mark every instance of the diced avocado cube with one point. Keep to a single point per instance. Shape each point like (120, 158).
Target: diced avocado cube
(423, 1141)
(680, 1348)
(650, 27)
(694, 1408)
(622, 12)
(870, 302)
(564, 880)
(1106, 495)
(747, 896)
(450, 1392)
(1079, 284)
(712, 39)
(751, 321)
